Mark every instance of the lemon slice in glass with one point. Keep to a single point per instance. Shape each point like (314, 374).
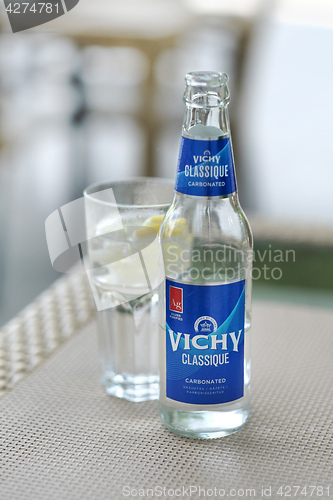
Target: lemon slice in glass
(153, 222)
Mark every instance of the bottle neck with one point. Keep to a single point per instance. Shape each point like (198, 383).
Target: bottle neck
(206, 122)
(206, 162)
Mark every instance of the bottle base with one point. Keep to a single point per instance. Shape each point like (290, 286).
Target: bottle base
(204, 424)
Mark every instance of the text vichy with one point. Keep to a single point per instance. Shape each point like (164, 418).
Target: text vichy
(206, 341)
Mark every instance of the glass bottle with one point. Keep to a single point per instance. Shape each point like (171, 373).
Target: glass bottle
(205, 304)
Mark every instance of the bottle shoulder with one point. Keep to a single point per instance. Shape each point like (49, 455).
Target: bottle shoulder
(210, 219)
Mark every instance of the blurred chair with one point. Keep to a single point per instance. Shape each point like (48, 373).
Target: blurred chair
(115, 142)
(39, 167)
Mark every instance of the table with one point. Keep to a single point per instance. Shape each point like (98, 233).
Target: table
(63, 437)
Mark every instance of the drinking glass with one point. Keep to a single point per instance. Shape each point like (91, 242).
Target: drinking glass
(125, 269)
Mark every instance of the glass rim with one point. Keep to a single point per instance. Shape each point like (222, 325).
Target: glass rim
(96, 187)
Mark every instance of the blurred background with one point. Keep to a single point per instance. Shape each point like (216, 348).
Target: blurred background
(97, 94)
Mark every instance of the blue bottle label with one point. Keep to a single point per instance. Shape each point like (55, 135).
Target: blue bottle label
(205, 342)
(206, 167)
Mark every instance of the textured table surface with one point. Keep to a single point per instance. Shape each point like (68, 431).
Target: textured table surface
(63, 438)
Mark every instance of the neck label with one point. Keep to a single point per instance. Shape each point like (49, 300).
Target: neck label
(205, 167)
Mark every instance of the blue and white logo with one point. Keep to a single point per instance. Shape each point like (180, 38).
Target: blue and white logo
(205, 324)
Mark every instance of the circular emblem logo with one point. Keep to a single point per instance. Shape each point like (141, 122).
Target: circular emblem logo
(205, 324)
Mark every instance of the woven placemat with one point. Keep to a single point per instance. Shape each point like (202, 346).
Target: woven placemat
(28, 339)
(62, 437)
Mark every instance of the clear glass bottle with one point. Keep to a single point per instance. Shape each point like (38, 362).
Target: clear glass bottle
(205, 304)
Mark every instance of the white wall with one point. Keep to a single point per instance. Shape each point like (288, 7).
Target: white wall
(285, 113)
